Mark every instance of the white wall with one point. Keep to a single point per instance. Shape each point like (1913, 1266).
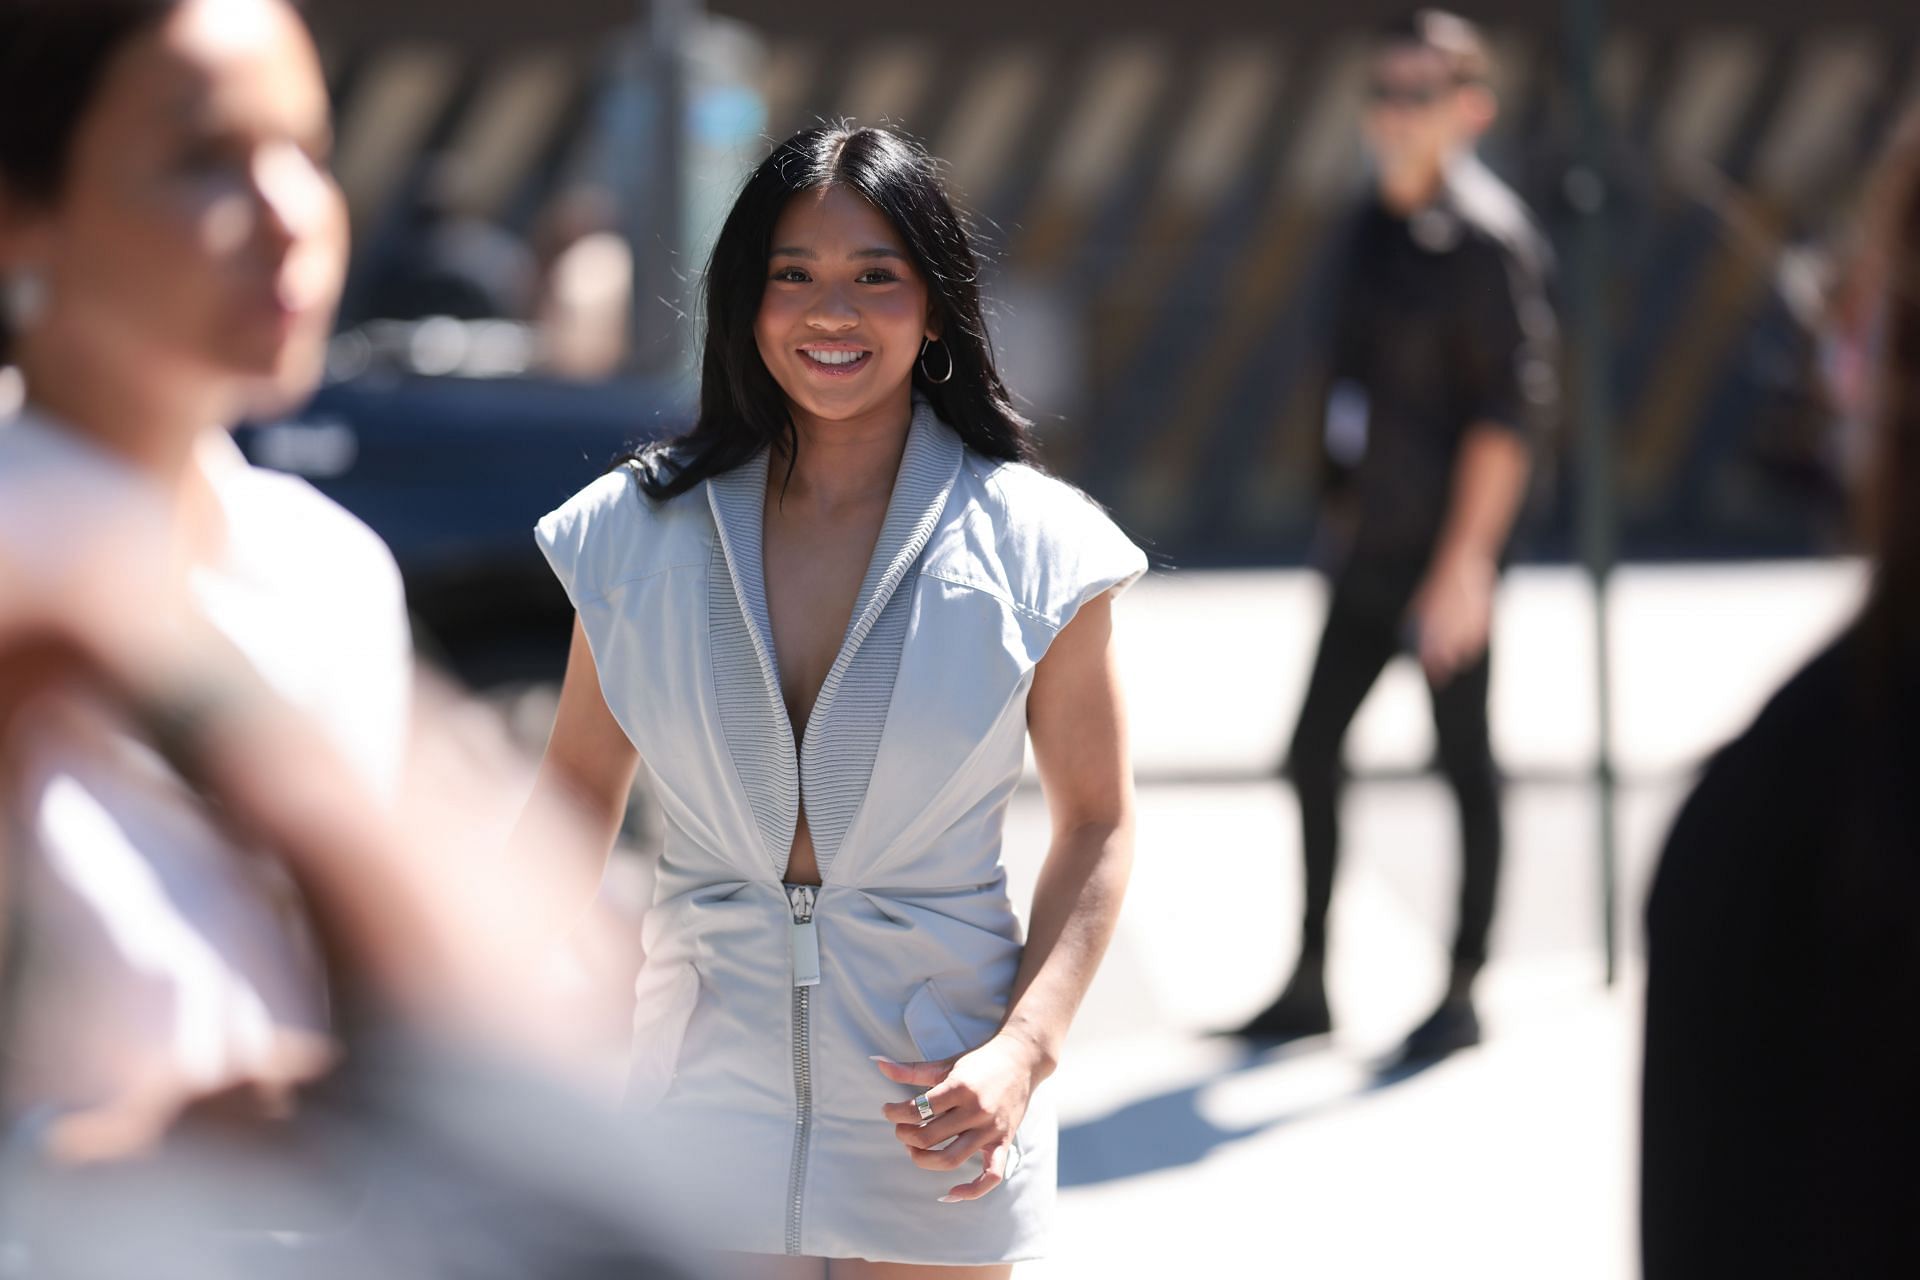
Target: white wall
(1216, 664)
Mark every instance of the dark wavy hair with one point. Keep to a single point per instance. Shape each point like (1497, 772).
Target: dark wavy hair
(742, 408)
(54, 54)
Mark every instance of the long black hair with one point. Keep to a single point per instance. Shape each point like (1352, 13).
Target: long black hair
(53, 56)
(742, 408)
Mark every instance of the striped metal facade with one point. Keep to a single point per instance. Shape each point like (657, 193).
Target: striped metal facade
(1168, 200)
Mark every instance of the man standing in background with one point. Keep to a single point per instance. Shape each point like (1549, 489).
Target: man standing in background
(1441, 376)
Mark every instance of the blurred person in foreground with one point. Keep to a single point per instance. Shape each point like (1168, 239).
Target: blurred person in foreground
(1780, 1111)
(829, 619)
(171, 248)
(1440, 374)
(176, 627)
(436, 1128)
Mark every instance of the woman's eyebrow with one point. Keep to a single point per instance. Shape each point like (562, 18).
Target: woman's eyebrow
(795, 251)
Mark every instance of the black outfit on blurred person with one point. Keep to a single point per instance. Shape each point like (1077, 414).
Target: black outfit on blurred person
(1781, 1114)
(1442, 326)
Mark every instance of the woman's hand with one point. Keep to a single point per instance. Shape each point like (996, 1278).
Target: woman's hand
(978, 1101)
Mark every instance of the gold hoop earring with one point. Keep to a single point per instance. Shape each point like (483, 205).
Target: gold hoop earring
(944, 378)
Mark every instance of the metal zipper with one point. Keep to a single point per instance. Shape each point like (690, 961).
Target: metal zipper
(805, 952)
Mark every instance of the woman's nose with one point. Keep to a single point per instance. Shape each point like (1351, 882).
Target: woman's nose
(832, 310)
(294, 194)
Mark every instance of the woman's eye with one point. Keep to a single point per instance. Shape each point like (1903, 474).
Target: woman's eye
(790, 275)
(879, 275)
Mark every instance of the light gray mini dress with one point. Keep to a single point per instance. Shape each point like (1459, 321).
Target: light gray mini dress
(758, 1014)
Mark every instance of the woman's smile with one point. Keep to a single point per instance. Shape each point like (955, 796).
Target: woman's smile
(835, 360)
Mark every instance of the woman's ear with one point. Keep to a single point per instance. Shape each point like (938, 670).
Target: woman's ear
(934, 328)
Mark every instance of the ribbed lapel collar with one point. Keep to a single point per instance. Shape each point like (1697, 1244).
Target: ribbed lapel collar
(843, 734)
(759, 734)
(927, 469)
(835, 745)
(738, 498)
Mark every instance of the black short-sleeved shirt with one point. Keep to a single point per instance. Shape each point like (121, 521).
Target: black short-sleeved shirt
(1441, 324)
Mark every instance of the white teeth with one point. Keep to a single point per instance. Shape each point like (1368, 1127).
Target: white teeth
(835, 357)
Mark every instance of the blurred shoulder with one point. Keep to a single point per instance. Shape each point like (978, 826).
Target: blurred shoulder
(290, 523)
(296, 505)
(1496, 219)
(1764, 805)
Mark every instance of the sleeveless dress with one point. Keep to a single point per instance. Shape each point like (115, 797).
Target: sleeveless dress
(758, 1013)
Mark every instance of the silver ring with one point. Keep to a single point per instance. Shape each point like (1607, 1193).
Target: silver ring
(924, 1107)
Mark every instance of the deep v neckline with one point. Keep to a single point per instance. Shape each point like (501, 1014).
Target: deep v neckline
(875, 567)
(814, 767)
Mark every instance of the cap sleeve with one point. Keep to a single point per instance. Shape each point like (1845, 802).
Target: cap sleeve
(582, 539)
(1107, 562)
(1083, 555)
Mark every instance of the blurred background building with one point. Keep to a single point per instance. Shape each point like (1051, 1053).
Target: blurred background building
(1158, 184)
(534, 187)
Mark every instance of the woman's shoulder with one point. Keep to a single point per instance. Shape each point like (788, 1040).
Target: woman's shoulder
(1045, 542)
(1026, 497)
(314, 519)
(612, 531)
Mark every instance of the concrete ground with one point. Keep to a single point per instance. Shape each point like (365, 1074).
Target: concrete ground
(1183, 1154)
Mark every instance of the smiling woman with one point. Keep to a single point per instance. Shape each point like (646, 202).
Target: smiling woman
(829, 619)
(860, 212)
(172, 246)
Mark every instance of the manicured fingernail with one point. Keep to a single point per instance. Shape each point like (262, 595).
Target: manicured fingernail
(883, 1058)
(949, 1199)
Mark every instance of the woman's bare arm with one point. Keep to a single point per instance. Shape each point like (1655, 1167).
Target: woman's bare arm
(588, 770)
(1077, 720)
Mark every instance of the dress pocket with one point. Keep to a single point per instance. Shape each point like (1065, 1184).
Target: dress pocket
(936, 1034)
(663, 999)
(932, 1026)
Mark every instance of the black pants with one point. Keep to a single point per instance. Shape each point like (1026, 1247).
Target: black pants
(1366, 627)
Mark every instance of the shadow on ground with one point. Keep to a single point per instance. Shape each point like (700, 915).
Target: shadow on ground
(1168, 1131)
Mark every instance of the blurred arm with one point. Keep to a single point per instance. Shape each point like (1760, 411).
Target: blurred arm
(588, 770)
(1489, 484)
(1507, 358)
(1506, 336)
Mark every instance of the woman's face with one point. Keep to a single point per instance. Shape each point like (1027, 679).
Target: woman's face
(199, 233)
(845, 310)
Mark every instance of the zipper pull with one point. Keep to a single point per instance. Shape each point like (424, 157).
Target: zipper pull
(804, 939)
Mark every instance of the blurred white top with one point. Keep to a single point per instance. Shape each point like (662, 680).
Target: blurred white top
(157, 952)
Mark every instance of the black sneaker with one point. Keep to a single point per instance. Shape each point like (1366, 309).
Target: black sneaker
(1452, 1027)
(1300, 1012)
